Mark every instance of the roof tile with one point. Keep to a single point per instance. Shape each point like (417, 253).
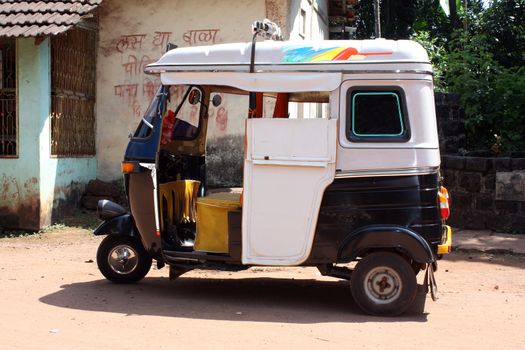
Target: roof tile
(41, 17)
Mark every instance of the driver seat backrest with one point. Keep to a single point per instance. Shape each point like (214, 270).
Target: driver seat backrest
(180, 197)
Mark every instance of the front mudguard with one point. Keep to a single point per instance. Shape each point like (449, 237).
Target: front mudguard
(119, 225)
(125, 225)
(386, 237)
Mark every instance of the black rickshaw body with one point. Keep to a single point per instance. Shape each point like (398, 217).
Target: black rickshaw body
(139, 183)
(141, 153)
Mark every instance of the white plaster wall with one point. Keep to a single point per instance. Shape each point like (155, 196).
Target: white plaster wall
(315, 26)
(319, 24)
(312, 26)
(129, 38)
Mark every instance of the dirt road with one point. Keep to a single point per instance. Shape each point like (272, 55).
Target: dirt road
(53, 297)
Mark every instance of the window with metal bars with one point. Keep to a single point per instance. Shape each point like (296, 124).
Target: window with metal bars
(73, 57)
(8, 115)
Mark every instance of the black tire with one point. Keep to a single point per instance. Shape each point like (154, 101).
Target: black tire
(383, 284)
(123, 259)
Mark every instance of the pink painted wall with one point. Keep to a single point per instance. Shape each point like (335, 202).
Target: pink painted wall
(134, 33)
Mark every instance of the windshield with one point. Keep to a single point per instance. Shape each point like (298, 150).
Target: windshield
(154, 110)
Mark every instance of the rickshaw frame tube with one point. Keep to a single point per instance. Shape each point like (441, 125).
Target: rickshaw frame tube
(378, 237)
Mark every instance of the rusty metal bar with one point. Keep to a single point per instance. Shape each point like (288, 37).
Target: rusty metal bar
(8, 115)
(73, 93)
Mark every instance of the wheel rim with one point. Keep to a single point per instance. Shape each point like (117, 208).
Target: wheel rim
(123, 259)
(383, 285)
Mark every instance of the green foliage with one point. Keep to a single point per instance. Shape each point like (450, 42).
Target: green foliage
(24, 233)
(80, 219)
(83, 219)
(14, 233)
(491, 94)
(397, 18)
(509, 90)
(438, 57)
(430, 18)
(504, 23)
(365, 21)
(402, 18)
(225, 165)
(484, 62)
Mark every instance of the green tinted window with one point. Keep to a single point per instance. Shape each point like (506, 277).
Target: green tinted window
(376, 114)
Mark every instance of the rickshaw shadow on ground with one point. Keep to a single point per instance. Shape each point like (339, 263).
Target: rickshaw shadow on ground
(250, 299)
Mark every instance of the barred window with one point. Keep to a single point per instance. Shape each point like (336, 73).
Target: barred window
(73, 57)
(8, 115)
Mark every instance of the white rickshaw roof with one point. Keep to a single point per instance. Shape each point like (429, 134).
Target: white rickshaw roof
(281, 65)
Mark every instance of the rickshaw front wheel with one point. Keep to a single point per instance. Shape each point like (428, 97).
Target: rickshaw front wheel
(123, 259)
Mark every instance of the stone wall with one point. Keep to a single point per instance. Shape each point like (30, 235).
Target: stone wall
(487, 192)
(451, 124)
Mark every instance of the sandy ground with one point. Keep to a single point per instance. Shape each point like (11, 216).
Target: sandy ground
(53, 297)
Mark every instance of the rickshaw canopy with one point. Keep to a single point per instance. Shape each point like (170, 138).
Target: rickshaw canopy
(288, 66)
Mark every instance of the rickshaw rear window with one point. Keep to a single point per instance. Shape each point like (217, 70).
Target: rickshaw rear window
(376, 115)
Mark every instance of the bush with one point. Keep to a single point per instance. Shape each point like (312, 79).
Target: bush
(437, 54)
(485, 65)
(491, 94)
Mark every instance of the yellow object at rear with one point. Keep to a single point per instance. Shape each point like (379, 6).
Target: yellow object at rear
(212, 221)
(446, 245)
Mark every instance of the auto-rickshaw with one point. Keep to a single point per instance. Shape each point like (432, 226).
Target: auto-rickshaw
(340, 168)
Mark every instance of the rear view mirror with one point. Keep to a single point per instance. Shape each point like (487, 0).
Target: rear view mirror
(194, 97)
(216, 100)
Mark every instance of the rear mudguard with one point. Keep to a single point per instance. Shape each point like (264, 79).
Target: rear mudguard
(119, 225)
(377, 237)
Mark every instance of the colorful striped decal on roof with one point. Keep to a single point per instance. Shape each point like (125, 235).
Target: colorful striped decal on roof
(310, 54)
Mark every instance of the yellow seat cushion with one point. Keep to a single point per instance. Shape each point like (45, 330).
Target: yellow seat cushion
(225, 199)
(212, 221)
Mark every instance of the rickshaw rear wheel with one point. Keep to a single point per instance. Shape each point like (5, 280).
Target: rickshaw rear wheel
(123, 259)
(383, 284)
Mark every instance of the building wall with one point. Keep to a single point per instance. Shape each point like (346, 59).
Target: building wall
(278, 12)
(61, 180)
(308, 19)
(35, 184)
(20, 177)
(134, 33)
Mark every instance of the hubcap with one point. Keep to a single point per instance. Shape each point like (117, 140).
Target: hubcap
(123, 259)
(383, 285)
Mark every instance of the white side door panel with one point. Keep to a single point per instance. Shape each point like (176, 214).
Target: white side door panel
(288, 165)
